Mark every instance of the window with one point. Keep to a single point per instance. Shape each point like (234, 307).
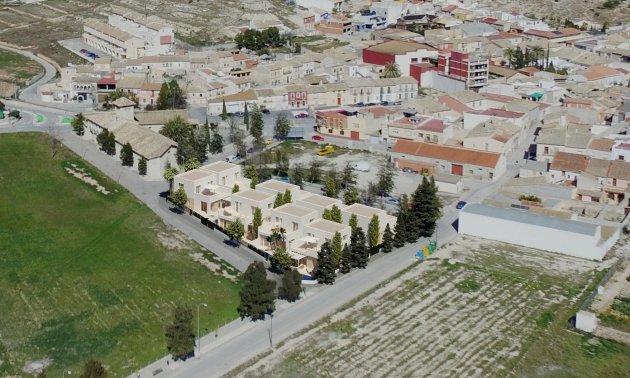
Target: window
(546, 150)
(621, 157)
(471, 172)
(341, 132)
(253, 209)
(204, 207)
(197, 188)
(296, 226)
(181, 185)
(414, 60)
(237, 206)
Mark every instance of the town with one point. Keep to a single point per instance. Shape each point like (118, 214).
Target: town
(405, 188)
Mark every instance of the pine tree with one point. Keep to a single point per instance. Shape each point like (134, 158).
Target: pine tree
(373, 233)
(256, 221)
(401, 237)
(330, 188)
(388, 239)
(346, 264)
(279, 200)
(426, 207)
(353, 222)
(256, 129)
(282, 127)
(142, 166)
(336, 248)
(348, 177)
(287, 196)
(335, 214)
(257, 294)
(180, 339)
(359, 250)
(78, 124)
(216, 143)
(350, 196)
(126, 155)
(325, 271)
(291, 286)
(297, 175)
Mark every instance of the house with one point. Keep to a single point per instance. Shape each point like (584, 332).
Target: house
(567, 167)
(452, 160)
(494, 135)
(157, 149)
(241, 205)
(556, 234)
(620, 150)
(418, 128)
(155, 119)
(601, 76)
(617, 184)
(364, 215)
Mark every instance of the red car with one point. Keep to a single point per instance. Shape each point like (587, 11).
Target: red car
(318, 138)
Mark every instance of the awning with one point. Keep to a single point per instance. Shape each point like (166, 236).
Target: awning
(537, 95)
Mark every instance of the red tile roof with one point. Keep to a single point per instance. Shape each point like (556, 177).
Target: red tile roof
(569, 162)
(453, 104)
(107, 80)
(501, 113)
(448, 153)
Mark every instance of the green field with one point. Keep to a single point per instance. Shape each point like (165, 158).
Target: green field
(84, 274)
(17, 67)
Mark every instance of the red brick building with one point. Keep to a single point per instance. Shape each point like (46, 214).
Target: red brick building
(468, 67)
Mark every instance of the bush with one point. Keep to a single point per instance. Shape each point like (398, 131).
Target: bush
(468, 286)
(529, 197)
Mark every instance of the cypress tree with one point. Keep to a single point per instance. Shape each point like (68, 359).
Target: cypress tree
(224, 115)
(353, 223)
(359, 250)
(142, 166)
(279, 200)
(287, 196)
(336, 248)
(386, 246)
(373, 233)
(325, 271)
(401, 237)
(335, 214)
(346, 263)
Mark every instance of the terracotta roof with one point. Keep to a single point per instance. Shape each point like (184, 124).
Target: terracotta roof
(600, 72)
(598, 167)
(397, 47)
(453, 104)
(564, 32)
(434, 125)
(601, 144)
(569, 162)
(448, 153)
(501, 113)
(619, 169)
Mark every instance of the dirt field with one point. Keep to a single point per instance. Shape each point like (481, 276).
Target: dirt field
(471, 311)
(16, 68)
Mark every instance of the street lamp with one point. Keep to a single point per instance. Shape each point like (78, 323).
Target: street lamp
(198, 329)
(69, 372)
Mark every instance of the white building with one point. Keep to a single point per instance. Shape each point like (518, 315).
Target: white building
(522, 227)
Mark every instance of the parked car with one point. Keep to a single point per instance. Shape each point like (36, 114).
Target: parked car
(231, 158)
(265, 111)
(460, 205)
(239, 114)
(325, 151)
(359, 104)
(318, 138)
(392, 201)
(83, 51)
(250, 150)
(268, 141)
(385, 103)
(301, 115)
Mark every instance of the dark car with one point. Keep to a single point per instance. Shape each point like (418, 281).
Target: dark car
(265, 111)
(301, 115)
(239, 114)
(460, 205)
(250, 150)
(392, 201)
(84, 51)
(317, 137)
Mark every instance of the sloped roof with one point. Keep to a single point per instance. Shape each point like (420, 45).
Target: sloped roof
(448, 153)
(601, 144)
(569, 162)
(619, 169)
(144, 142)
(159, 117)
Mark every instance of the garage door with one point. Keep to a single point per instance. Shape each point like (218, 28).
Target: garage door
(354, 135)
(457, 169)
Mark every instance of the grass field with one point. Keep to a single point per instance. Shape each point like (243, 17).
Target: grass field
(476, 309)
(86, 274)
(17, 67)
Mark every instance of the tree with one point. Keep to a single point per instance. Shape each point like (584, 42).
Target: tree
(207, 135)
(169, 175)
(181, 132)
(391, 70)
(236, 188)
(256, 221)
(281, 259)
(297, 175)
(386, 175)
(282, 127)
(126, 155)
(401, 237)
(216, 143)
(325, 271)
(373, 233)
(277, 236)
(142, 166)
(351, 196)
(192, 163)
(78, 124)
(282, 164)
(348, 177)
(291, 286)
(179, 198)
(537, 54)
(335, 214)
(239, 143)
(326, 214)
(256, 129)
(258, 294)
(171, 96)
(425, 209)
(330, 188)
(224, 113)
(336, 248)
(509, 54)
(41, 374)
(358, 249)
(346, 264)
(235, 231)
(353, 222)
(279, 201)
(252, 175)
(93, 369)
(314, 171)
(388, 239)
(107, 142)
(180, 338)
(246, 117)
(287, 197)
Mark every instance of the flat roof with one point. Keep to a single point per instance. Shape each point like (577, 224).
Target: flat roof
(319, 200)
(218, 166)
(294, 210)
(276, 185)
(527, 217)
(195, 174)
(360, 209)
(253, 194)
(328, 226)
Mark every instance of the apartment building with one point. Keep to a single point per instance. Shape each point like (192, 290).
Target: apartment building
(469, 68)
(113, 41)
